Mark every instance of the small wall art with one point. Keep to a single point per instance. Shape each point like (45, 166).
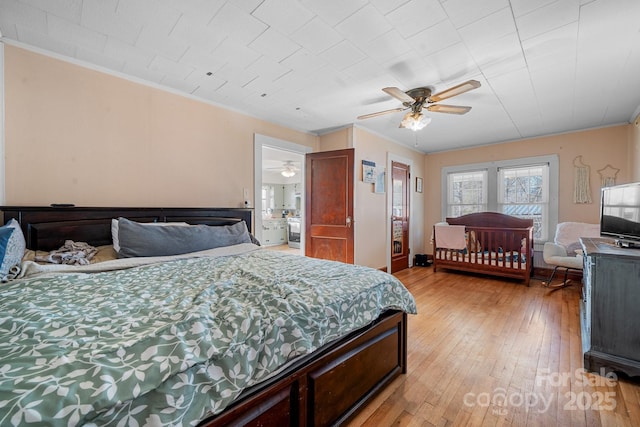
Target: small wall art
(368, 171)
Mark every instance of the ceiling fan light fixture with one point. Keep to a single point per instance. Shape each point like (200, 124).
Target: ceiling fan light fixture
(414, 121)
(287, 173)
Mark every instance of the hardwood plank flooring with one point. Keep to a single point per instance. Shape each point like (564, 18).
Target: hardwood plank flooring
(489, 352)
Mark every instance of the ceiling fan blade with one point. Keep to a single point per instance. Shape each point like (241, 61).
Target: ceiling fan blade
(451, 109)
(379, 113)
(399, 94)
(455, 90)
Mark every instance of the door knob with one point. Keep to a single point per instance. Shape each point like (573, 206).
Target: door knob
(348, 221)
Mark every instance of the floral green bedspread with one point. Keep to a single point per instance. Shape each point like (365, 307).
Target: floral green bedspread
(167, 344)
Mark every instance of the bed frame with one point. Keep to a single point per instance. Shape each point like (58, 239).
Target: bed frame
(326, 388)
(497, 234)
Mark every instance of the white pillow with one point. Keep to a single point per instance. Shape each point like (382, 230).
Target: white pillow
(114, 230)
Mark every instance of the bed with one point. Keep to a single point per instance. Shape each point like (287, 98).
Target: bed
(488, 243)
(232, 335)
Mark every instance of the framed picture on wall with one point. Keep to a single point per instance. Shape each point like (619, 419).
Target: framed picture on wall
(419, 184)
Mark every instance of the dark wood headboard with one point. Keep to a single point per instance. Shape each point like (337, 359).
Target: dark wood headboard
(46, 228)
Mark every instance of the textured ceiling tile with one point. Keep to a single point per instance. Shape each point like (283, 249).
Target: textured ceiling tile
(408, 70)
(434, 38)
(143, 73)
(102, 17)
(386, 6)
(231, 51)
(62, 29)
(363, 71)
(488, 29)
(168, 67)
(247, 5)
(274, 45)
(286, 16)
(181, 85)
(202, 60)
(25, 35)
(70, 10)
(555, 15)
(552, 48)
(264, 86)
(268, 68)
(364, 25)
(200, 79)
(499, 56)
(451, 64)
(14, 13)
(342, 55)
(333, 11)
(153, 39)
(236, 75)
(303, 61)
(416, 15)
(243, 28)
(201, 10)
(316, 36)
(522, 7)
(119, 49)
(97, 58)
(463, 12)
(191, 33)
(386, 47)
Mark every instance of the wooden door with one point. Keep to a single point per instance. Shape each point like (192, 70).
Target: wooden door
(400, 176)
(329, 205)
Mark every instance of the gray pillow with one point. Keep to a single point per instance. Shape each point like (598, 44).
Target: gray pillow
(143, 240)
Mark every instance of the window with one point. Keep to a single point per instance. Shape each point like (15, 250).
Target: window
(525, 188)
(467, 192)
(523, 193)
(268, 200)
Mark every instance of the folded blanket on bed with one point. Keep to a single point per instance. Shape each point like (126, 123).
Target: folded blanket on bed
(450, 236)
(71, 253)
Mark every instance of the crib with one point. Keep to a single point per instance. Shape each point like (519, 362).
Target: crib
(494, 244)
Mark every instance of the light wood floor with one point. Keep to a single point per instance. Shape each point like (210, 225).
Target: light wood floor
(490, 352)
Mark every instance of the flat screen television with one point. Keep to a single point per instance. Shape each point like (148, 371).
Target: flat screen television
(620, 214)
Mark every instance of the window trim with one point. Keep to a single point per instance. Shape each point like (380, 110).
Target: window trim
(492, 185)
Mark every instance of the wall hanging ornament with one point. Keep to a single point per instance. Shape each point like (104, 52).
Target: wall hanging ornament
(608, 175)
(581, 188)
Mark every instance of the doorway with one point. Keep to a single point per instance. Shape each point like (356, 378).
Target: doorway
(279, 193)
(329, 205)
(400, 216)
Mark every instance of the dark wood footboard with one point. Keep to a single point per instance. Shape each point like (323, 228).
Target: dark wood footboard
(331, 386)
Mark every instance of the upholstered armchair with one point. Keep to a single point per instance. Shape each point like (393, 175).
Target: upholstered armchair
(564, 251)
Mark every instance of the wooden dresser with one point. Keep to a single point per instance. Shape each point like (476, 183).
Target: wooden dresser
(610, 307)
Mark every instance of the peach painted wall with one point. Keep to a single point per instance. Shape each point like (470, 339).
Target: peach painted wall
(76, 135)
(371, 212)
(597, 147)
(338, 140)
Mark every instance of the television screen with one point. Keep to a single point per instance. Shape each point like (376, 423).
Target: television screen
(620, 212)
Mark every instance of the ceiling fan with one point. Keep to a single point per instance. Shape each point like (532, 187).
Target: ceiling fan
(288, 169)
(421, 97)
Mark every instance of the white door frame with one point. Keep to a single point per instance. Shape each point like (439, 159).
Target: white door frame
(260, 141)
